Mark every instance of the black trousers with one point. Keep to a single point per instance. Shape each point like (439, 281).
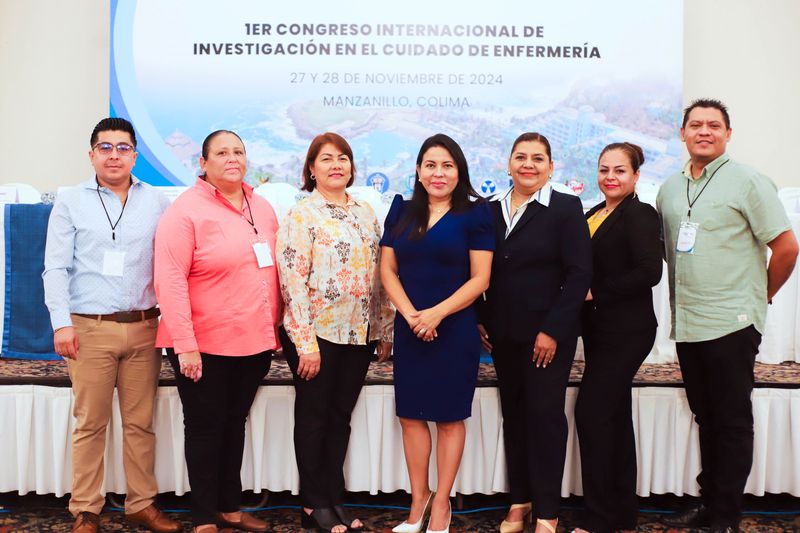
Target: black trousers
(214, 413)
(534, 424)
(718, 376)
(605, 428)
(322, 409)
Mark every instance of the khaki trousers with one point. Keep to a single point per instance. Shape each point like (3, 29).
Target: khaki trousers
(113, 354)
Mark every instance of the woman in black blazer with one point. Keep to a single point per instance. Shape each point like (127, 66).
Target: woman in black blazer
(619, 328)
(530, 322)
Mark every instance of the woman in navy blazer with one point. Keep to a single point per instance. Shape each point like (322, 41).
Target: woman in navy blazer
(619, 328)
(541, 272)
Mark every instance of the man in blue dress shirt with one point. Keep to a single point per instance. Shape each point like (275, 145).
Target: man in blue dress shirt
(98, 282)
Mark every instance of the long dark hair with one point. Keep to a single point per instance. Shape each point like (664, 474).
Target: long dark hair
(417, 214)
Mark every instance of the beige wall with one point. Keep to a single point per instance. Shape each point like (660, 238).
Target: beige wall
(54, 73)
(54, 65)
(744, 53)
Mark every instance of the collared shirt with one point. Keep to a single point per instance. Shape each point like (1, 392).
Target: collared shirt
(328, 257)
(722, 286)
(542, 196)
(79, 235)
(214, 298)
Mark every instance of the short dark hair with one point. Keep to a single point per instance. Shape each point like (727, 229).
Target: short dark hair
(112, 124)
(532, 136)
(313, 151)
(634, 152)
(708, 102)
(210, 137)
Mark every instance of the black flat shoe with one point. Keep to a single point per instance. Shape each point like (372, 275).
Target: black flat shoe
(320, 519)
(345, 517)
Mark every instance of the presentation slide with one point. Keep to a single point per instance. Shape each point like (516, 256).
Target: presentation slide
(386, 75)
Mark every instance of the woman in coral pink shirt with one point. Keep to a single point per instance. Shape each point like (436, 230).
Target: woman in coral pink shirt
(217, 286)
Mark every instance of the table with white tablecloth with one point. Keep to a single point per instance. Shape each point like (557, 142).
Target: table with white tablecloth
(36, 446)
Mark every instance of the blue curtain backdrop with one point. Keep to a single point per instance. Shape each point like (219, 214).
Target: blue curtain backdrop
(27, 333)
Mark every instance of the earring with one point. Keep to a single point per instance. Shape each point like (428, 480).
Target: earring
(312, 177)
(508, 172)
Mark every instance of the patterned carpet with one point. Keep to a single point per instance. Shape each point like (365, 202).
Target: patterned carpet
(481, 514)
(54, 374)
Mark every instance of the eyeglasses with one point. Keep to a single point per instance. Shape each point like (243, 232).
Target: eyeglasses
(123, 149)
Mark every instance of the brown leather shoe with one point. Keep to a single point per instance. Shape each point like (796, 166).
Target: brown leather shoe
(248, 522)
(86, 522)
(154, 520)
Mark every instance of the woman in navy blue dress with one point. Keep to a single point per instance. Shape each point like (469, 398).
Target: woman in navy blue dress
(436, 260)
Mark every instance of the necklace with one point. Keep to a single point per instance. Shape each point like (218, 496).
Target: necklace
(523, 202)
(607, 211)
(438, 210)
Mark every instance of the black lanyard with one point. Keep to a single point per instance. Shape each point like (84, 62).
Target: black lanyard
(692, 202)
(114, 224)
(252, 220)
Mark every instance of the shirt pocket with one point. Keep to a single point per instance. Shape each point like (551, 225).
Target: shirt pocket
(719, 215)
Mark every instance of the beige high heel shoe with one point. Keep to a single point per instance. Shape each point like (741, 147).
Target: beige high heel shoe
(517, 526)
(547, 525)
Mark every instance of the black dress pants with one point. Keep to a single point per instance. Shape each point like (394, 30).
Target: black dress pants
(718, 376)
(215, 410)
(605, 428)
(534, 424)
(322, 409)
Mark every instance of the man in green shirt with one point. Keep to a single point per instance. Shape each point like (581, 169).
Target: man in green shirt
(718, 218)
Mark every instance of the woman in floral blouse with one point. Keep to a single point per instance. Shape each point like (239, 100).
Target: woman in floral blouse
(328, 256)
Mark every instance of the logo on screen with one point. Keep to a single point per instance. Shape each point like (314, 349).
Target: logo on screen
(378, 181)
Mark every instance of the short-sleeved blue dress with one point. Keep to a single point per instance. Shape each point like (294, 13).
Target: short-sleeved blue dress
(436, 380)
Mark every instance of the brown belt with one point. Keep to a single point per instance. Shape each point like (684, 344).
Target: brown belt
(126, 316)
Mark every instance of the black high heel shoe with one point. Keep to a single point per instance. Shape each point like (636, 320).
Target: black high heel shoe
(320, 519)
(345, 517)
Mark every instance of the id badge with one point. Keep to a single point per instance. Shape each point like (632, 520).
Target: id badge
(113, 264)
(687, 235)
(263, 254)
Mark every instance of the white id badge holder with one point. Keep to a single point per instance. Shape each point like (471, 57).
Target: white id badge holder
(113, 264)
(687, 235)
(263, 254)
